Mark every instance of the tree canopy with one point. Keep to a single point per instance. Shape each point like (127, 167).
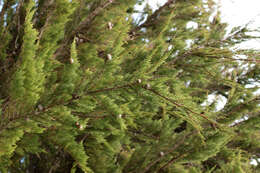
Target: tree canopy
(85, 87)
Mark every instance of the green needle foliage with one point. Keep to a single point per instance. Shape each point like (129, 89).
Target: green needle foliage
(87, 87)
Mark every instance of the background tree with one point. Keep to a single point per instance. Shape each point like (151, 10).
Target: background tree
(85, 88)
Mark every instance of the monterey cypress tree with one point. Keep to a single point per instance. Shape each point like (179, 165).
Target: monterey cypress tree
(85, 87)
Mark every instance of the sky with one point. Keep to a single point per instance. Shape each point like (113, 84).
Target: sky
(233, 12)
(239, 12)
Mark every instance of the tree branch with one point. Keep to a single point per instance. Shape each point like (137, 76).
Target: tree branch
(5, 6)
(109, 89)
(47, 20)
(153, 17)
(214, 124)
(180, 142)
(172, 161)
(83, 25)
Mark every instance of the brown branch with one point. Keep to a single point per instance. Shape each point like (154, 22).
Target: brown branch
(83, 115)
(47, 20)
(142, 133)
(214, 124)
(152, 18)
(90, 18)
(235, 59)
(172, 161)
(5, 6)
(252, 115)
(180, 142)
(190, 53)
(110, 89)
(47, 108)
(156, 93)
(241, 106)
(83, 25)
(18, 24)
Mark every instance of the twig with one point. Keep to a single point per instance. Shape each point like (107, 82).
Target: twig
(83, 25)
(89, 116)
(47, 20)
(5, 6)
(90, 18)
(214, 124)
(45, 109)
(172, 161)
(152, 18)
(18, 24)
(180, 142)
(236, 59)
(110, 89)
(240, 106)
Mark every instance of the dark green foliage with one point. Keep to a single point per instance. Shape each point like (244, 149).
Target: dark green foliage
(85, 88)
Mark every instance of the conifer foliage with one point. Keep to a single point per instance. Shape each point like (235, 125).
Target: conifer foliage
(85, 87)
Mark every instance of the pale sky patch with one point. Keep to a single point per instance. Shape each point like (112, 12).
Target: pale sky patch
(233, 12)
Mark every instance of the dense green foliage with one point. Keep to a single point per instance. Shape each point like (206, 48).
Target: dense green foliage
(84, 87)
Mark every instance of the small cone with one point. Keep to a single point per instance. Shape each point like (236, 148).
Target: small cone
(148, 86)
(109, 57)
(40, 107)
(71, 60)
(110, 25)
(161, 153)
